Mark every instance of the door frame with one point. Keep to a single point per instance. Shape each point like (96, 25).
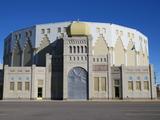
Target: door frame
(114, 89)
(39, 98)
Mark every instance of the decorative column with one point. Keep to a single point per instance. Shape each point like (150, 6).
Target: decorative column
(48, 73)
(137, 58)
(33, 83)
(124, 87)
(89, 67)
(5, 82)
(113, 56)
(109, 77)
(152, 88)
(65, 69)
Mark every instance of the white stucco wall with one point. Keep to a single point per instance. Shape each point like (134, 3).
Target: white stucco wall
(53, 35)
(111, 34)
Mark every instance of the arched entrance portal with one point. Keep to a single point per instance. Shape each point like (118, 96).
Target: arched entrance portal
(77, 83)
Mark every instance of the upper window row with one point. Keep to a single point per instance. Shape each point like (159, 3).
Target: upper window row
(77, 49)
(27, 34)
(18, 36)
(43, 31)
(100, 30)
(59, 30)
(120, 32)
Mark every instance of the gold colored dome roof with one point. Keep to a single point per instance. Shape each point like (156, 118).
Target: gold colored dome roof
(79, 29)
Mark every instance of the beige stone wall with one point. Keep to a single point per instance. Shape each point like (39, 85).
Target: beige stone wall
(16, 74)
(100, 87)
(128, 57)
(77, 59)
(131, 55)
(100, 77)
(35, 76)
(143, 57)
(146, 60)
(119, 53)
(134, 75)
(101, 47)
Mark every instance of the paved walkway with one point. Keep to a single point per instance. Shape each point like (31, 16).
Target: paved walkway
(78, 110)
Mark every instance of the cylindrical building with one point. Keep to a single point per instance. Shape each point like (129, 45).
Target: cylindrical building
(125, 45)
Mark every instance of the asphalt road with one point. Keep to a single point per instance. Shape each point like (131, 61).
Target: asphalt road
(51, 110)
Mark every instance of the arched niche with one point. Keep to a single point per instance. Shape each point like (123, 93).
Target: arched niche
(17, 55)
(77, 83)
(27, 54)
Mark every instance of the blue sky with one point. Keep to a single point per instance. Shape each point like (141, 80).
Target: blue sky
(143, 15)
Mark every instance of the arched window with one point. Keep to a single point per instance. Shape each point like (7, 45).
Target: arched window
(70, 49)
(77, 49)
(81, 49)
(74, 49)
(85, 49)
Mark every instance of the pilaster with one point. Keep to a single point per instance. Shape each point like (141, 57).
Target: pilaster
(48, 73)
(5, 82)
(89, 67)
(33, 83)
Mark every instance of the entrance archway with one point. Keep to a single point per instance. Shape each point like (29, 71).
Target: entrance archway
(77, 83)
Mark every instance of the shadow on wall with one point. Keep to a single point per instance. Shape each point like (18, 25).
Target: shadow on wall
(56, 50)
(158, 91)
(1, 92)
(1, 84)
